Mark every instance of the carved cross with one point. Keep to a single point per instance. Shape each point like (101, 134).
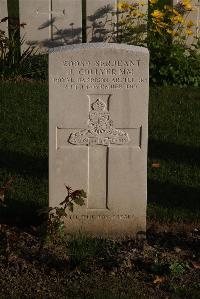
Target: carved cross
(101, 137)
(51, 16)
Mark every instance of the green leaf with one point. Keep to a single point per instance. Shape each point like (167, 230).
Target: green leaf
(79, 201)
(70, 206)
(83, 193)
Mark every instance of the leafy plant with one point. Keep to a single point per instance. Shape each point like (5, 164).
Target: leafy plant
(55, 222)
(173, 60)
(15, 64)
(178, 268)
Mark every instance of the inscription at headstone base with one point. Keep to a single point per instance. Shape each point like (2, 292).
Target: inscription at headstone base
(98, 130)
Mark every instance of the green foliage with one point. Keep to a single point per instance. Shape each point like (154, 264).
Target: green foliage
(191, 291)
(55, 215)
(173, 60)
(174, 64)
(83, 250)
(16, 65)
(178, 268)
(174, 127)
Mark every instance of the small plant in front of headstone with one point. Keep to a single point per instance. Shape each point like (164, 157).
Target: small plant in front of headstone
(55, 221)
(56, 214)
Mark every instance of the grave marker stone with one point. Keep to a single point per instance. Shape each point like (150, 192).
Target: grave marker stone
(98, 123)
(100, 16)
(50, 22)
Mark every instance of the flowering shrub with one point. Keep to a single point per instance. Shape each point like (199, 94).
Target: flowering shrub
(173, 60)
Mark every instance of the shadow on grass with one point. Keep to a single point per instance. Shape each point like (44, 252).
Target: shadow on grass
(24, 164)
(20, 213)
(28, 192)
(170, 196)
(170, 151)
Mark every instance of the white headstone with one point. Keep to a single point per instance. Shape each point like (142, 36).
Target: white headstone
(101, 17)
(50, 22)
(3, 14)
(98, 123)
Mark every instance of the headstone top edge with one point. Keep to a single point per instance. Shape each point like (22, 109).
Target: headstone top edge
(99, 46)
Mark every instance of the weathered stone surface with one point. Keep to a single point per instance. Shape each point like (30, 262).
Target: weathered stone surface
(50, 23)
(98, 123)
(4, 14)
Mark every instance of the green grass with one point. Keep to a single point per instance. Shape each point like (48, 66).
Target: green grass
(24, 147)
(174, 142)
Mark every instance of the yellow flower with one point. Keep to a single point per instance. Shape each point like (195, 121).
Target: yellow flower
(177, 19)
(122, 22)
(189, 32)
(153, 1)
(187, 4)
(142, 3)
(175, 12)
(133, 14)
(123, 5)
(168, 7)
(190, 24)
(170, 31)
(157, 14)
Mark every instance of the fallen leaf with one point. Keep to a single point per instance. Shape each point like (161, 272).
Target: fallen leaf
(177, 249)
(7, 185)
(158, 280)
(196, 265)
(2, 194)
(155, 165)
(3, 189)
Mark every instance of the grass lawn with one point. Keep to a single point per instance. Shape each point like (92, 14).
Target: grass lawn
(174, 143)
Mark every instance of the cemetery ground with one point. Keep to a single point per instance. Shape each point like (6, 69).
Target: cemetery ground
(165, 265)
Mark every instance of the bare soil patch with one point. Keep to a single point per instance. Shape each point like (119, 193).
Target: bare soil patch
(165, 265)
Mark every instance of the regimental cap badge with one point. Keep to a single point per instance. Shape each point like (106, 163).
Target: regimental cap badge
(98, 105)
(100, 129)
